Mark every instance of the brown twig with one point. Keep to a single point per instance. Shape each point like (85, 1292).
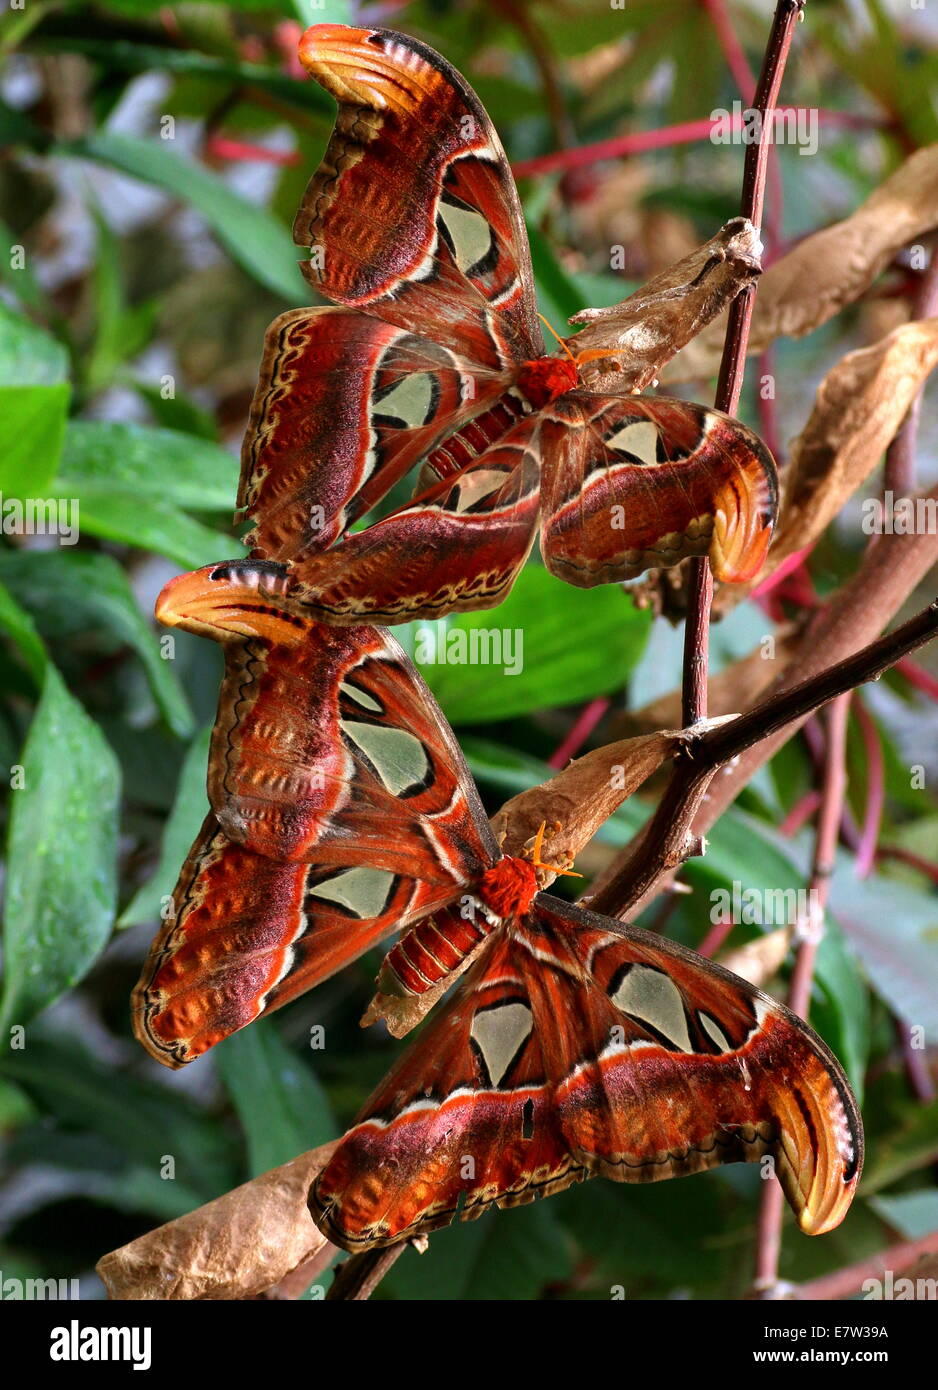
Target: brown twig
(357, 1279)
(672, 833)
(733, 364)
(808, 934)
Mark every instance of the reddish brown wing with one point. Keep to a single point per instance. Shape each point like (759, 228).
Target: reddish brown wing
(413, 213)
(248, 934)
(345, 405)
(328, 746)
(578, 1047)
(635, 484)
(459, 547)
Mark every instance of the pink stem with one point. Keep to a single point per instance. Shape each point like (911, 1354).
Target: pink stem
(918, 677)
(875, 790)
(220, 147)
(801, 812)
(715, 937)
(736, 59)
(584, 725)
(685, 132)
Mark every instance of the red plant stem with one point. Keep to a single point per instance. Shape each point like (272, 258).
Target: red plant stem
(914, 861)
(584, 725)
(220, 147)
(787, 567)
(918, 677)
(844, 1282)
(733, 52)
(808, 934)
(875, 790)
(715, 937)
(683, 133)
(800, 813)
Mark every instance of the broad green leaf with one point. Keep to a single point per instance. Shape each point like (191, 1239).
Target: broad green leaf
(745, 851)
(559, 295)
(18, 275)
(160, 465)
(893, 928)
(914, 1214)
(281, 1105)
(121, 514)
(547, 644)
(653, 1224)
(251, 236)
(146, 1122)
(909, 1142)
(20, 628)
(29, 356)
(33, 428)
(16, 1108)
(185, 820)
(178, 413)
(126, 56)
(505, 1255)
(61, 855)
(72, 591)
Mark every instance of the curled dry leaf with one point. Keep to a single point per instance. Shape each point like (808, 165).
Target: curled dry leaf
(830, 269)
(757, 961)
(233, 1248)
(858, 409)
(583, 796)
(645, 331)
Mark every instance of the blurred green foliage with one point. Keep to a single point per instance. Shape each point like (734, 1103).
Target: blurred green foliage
(141, 275)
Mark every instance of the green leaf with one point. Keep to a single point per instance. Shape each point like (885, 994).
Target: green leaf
(160, 465)
(907, 1143)
(547, 644)
(29, 356)
(281, 1105)
(179, 413)
(120, 514)
(913, 1214)
(251, 235)
(558, 293)
(61, 855)
(16, 1108)
(505, 1255)
(893, 928)
(72, 591)
(33, 430)
(19, 626)
(744, 850)
(146, 1122)
(183, 825)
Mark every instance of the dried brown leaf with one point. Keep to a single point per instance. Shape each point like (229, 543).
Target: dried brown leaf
(830, 269)
(236, 1247)
(643, 332)
(580, 798)
(858, 409)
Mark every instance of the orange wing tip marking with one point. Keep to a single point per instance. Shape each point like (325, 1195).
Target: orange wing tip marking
(741, 537)
(228, 601)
